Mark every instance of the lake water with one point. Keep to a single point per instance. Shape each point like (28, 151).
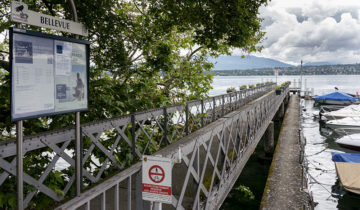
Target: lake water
(323, 182)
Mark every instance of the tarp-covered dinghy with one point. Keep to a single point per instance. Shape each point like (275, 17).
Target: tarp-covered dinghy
(335, 98)
(348, 170)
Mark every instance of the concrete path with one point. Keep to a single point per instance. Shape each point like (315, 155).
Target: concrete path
(283, 186)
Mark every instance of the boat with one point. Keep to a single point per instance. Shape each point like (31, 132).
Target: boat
(346, 131)
(347, 122)
(348, 170)
(335, 98)
(350, 142)
(349, 111)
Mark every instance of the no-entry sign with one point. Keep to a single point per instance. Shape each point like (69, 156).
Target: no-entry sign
(156, 179)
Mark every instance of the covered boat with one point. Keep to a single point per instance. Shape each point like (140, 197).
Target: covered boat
(335, 98)
(348, 170)
(349, 111)
(350, 142)
(347, 122)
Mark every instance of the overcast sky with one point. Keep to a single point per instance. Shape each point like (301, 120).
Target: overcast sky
(312, 30)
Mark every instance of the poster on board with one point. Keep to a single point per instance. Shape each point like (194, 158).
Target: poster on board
(70, 80)
(49, 74)
(32, 75)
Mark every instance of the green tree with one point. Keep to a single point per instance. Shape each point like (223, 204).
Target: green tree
(144, 54)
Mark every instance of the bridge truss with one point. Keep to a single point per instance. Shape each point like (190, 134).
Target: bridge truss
(213, 155)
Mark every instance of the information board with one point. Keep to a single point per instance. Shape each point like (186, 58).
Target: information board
(156, 179)
(49, 74)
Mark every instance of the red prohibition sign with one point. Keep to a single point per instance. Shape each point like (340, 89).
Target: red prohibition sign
(156, 174)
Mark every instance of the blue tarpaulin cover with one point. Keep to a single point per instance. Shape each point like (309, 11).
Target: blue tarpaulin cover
(346, 157)
(336, 96)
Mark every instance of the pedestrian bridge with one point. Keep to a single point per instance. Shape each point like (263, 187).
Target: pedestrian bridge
(216, 136)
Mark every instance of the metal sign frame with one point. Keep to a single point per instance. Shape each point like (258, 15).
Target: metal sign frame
(55, 38)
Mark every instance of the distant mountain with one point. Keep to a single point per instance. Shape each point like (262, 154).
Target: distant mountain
(249, 62)
(318, 63)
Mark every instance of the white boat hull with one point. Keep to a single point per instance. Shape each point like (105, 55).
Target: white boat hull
(333, 102)
(339, 126)
(349, 111)
(350, 142)
(346, 131)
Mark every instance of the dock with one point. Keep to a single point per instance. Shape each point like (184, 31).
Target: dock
(284, 185)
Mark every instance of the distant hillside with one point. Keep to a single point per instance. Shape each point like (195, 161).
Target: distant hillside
(339, 69)
(249, 62)
(318, 64)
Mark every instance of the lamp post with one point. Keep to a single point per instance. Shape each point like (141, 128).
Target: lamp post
(301, 75)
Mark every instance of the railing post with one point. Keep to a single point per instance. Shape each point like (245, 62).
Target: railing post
(236, 100)
(246, 96)
(133, 137)
(241, 98)
(165, 127)
(129, 191)
(214, 110)
(116, 197)
(231, 108)
(202, 113)
(187, 119)
(196, 185)
(223, 106)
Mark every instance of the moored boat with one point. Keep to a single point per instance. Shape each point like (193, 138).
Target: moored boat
(350, 142)
(349, 111)
(335, 98)
(348, 170)
(347, 122)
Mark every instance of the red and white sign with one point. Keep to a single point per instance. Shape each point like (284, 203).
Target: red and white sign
(156, 179)
(276, 72)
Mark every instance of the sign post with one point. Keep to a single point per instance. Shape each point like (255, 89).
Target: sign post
(156, 179)
(50, 71)
(19, 164)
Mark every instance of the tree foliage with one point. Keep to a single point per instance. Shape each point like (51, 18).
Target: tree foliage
(144, 54)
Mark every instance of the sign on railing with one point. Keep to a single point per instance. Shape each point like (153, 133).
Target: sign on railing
(156, 179)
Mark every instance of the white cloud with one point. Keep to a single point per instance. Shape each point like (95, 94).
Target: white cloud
(311, 30)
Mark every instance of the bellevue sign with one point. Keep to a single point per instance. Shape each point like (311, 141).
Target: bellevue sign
(21, 14)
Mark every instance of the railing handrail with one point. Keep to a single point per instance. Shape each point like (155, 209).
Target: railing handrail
(59, 130)
(58, 140)
(187, 144)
